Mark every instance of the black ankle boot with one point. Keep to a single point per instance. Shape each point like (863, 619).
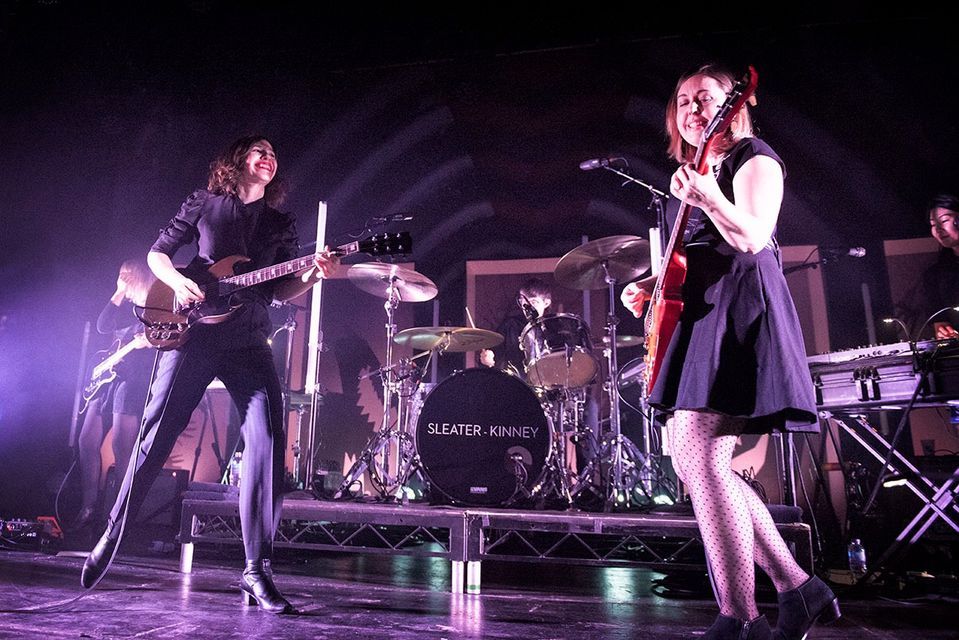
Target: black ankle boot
(802, 607)
(98, 559)
(727, 628)
(257, 586)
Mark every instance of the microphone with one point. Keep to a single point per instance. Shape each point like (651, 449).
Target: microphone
(393, 217)
(836, 252)
(528, 309)
(597, 163)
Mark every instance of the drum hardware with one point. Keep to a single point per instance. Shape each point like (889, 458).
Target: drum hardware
(595, 265)
(556, 479)
(392, 446)
(300, 402)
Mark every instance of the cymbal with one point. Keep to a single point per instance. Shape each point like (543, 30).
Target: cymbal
(622, 342)
(625, 342)
(456, 339)
(625, 257)
(375, 278)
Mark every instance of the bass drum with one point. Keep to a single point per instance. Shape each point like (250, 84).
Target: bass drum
(479, 433)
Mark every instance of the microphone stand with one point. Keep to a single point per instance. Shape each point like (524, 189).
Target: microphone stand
(657, 203)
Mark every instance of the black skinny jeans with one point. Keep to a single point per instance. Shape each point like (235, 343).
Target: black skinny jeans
(181, 380)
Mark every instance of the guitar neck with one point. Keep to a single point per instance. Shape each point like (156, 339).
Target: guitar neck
(679, 227)
(266, 274)
(275, 271)
(113, 359)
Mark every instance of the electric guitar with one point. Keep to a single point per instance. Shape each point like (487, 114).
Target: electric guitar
(666, 300)
(167, 323)
(105, 372)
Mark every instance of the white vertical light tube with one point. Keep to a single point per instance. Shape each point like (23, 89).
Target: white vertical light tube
(655, 253)
(314, 343)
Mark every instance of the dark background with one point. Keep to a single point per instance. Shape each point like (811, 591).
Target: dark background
(474, 121)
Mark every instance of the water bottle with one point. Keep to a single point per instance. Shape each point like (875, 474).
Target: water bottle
(235, 468)
(857, 559)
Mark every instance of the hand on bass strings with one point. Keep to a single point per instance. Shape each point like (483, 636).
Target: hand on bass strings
(634, 297)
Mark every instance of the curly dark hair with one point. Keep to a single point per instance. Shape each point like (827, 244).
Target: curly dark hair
(225, 171)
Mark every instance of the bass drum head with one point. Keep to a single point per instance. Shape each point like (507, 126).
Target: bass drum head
(473, 428)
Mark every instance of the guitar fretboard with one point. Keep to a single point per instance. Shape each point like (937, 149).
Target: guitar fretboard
(268, 273)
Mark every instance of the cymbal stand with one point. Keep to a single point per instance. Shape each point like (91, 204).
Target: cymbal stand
(620, 457)
(376, 456)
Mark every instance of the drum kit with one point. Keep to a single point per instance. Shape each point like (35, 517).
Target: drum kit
(487, 437)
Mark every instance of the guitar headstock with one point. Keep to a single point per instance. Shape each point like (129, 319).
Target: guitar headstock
(387, 244)
(741, 92)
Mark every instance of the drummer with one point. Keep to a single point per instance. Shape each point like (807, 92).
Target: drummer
(533, 300)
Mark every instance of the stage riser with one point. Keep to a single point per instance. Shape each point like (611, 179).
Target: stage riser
(470, 535)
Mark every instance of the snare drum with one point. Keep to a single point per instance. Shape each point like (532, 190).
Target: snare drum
(479, 431)
(558, 352)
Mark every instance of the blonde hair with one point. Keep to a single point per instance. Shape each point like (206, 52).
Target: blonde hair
(141, 280)
(740, 127)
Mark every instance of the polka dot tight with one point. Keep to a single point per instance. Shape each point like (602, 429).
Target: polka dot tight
(736, 527)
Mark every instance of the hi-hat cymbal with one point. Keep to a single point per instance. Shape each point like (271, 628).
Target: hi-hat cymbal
(622, 342)
(625, 342)
(625, 258)
(376, 278)
(456, 339)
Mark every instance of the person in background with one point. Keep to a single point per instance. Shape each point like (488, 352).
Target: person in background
(532, 301)
(118, 404)
(940, 282)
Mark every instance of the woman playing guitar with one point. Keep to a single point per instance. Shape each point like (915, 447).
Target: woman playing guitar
(235, 215)
(734, 362)
(122, 399)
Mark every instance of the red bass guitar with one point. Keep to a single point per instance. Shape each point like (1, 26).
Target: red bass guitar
(666, 300)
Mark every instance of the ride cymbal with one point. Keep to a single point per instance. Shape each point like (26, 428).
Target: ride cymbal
(624, 258)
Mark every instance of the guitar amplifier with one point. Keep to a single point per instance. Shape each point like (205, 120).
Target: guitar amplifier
(163, 502)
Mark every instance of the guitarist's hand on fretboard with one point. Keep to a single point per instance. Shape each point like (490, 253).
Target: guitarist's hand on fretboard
(697, 189)
(635, 295)
(325, 264)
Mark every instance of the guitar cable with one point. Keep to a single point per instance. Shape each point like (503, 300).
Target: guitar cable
(62, 604)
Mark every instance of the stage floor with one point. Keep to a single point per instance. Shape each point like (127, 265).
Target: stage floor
(343, 596)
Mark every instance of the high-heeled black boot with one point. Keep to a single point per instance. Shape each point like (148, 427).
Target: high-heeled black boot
(800, 608)
(257, 586)
(728, 628)
(99, 557)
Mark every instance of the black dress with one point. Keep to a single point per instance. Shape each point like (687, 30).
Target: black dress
(738, 349)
